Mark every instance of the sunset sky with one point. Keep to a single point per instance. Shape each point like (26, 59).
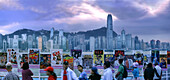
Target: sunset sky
(148, 19)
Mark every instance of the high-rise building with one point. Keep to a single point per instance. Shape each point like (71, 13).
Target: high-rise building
(44, 41)
(123, 39)
(103, 44)
(30, 41)
(158, 44)
(164, 45)
(4, 45)
(1, 41)
(137, 43)
(24, 37)
(133, 44)
(34, 44)
(92, 43)
(109, 32)
(118, 42)
(16, 42)
(52, 33)
(40, 42)
(49, 45)
(152, 43)
(129, 41)
(10, 42)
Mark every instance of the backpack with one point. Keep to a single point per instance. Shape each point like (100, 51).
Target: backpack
(125, 73)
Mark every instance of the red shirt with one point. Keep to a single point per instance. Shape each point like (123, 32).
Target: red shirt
(65, 75)
(51, 78)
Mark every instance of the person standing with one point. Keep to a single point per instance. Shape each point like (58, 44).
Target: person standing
(26, 72)
(67, 73)
(50, 72)
(149, 72)
(107, 72)
(135, 71)
(158, 72)
(119, 75)
(94, 74)
(83, 75)
(10, 75)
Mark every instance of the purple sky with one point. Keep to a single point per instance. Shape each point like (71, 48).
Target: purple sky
(149, 19)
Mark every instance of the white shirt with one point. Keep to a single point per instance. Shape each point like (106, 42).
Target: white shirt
(116, 63)
(107, 74)
(70, 74)
(158, 69)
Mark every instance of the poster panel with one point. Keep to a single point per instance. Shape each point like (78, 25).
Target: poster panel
(87, 61)
(168, 56)
(76, 54)
(155, 56)
(110, 58)
(56, 57)
(34, 56)
(98, 58)
(45, 60)
(163, 61)
(138, 56)
(70, 59)
(3, 60)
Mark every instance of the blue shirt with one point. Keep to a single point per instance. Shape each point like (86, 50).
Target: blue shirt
(135, 72)
(83, 76)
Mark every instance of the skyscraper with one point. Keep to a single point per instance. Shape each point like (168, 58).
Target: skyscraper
(4, 45)
(44, 41)
(52, 33)
(1, 41)
(123, 39)
(16, 41)
(129, 41)
(152, 43)
(158, 44)
(40, 42)
(30, 41)
(109, 32)
(92, 43)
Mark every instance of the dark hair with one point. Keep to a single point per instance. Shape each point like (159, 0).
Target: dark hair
(53, 74)
(156, 63)
(107, 63)
(25, 66)
(149, 65)
(80, 66)
(120, 60)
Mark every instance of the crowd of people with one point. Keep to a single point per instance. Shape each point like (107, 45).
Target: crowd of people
(152, 72)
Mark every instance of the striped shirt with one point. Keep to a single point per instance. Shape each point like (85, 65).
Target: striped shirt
(11, 76)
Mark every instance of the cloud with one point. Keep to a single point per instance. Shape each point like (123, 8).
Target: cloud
(10, 4)
(83, 13)
(6, 28)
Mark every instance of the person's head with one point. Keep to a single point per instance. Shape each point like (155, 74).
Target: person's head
(135, 64)
(106, 64)
(50, 71)
(65, 65)
(120, 61)
(80, 68)
(94, 70)
(149, 65)
(25, 66)
(9, 66)
(156, 63)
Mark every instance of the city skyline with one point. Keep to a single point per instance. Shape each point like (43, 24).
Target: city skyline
(86, 41)
(146, 19)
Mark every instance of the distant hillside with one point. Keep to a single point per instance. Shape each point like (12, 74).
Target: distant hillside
(97, 32)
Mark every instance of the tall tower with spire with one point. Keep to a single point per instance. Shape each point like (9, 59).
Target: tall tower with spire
(109, 35)
(52, 33)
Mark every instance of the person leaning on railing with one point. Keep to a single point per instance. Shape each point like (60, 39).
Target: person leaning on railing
(10, 75)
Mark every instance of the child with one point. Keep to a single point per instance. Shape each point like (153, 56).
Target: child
(135, 71)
